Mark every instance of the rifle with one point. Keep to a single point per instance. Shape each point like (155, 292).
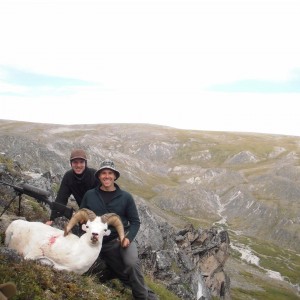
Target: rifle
(30, 190)
(40, 195)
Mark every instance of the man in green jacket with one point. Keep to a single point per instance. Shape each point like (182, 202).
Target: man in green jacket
(122, 260)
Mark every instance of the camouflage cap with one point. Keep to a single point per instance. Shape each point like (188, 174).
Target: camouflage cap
(108, 164)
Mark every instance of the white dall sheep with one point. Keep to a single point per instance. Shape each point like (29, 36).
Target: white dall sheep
(64, 251)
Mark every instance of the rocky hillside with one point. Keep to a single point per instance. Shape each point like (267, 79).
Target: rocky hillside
(247, 184)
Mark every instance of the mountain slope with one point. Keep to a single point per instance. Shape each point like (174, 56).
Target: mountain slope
(246, 183)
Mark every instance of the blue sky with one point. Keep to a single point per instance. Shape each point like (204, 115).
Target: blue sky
(204, 65)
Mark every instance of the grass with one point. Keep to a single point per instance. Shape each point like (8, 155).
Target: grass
(264, 291)
(9, 164)
(273, 257)
(38, 282)
(221, 149)
(270, 293)
(284, 261)
(145, 189)
(160, 290)
(198, 223)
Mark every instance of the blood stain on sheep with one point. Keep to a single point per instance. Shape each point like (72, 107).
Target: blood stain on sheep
(52, 239)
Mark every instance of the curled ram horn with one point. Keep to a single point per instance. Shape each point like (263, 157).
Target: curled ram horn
(81, 216)
(115, 220)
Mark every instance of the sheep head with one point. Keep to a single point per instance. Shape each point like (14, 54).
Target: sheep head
(81, 216)
(87, 216)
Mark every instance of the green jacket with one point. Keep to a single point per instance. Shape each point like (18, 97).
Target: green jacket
(122, 204)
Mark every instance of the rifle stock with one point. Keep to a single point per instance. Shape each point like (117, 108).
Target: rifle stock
(62, 210)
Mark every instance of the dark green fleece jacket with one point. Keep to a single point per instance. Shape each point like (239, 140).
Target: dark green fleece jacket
(121, 204)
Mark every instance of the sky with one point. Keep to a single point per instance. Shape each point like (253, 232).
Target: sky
(213, 65)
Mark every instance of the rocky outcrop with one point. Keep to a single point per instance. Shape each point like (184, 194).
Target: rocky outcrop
(190, 262)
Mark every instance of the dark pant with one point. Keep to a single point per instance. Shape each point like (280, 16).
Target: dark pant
(124, 262)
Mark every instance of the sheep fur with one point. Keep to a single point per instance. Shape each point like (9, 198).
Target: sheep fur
(38, 241)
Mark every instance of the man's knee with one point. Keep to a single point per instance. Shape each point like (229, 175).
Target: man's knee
(132, 264)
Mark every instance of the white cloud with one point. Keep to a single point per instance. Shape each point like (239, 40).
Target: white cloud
(152, 61)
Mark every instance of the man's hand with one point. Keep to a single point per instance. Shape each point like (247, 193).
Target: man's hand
(125, 243)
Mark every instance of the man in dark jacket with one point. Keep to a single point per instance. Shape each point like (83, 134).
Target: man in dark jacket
(122, 260)
(75, 182)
